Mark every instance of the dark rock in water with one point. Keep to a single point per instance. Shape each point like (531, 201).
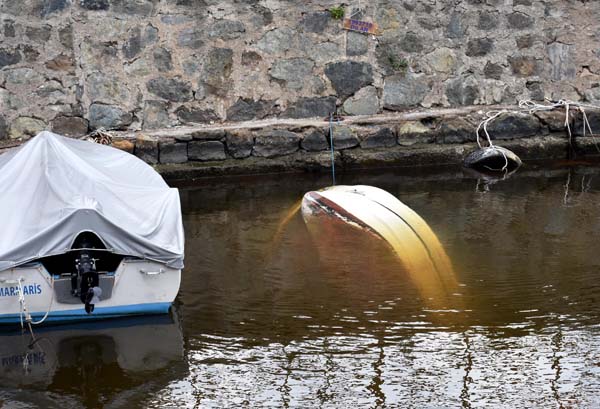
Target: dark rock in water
(492, 158)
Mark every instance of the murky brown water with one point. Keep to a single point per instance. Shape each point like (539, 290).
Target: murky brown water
(270, 316)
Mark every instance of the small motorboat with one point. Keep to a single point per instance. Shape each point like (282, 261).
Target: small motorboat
(88, 232)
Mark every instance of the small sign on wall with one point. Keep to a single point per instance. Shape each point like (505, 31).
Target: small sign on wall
(361, 26)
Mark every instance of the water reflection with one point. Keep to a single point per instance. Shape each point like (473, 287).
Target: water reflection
(92, 365)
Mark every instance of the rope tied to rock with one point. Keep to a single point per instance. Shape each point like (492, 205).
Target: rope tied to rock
(527, 106)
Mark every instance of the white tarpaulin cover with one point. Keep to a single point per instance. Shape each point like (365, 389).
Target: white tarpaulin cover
(52, 188)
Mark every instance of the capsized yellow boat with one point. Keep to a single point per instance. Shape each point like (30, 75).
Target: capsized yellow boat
(381, 214)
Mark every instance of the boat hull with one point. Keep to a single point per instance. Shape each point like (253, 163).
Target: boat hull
(138, 287)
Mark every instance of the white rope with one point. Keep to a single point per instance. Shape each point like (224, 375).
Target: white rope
(24, 312)
(531, 107)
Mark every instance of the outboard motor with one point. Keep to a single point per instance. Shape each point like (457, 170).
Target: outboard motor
(88, 289)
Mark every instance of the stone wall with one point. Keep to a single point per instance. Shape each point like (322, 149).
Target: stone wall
(77, 65)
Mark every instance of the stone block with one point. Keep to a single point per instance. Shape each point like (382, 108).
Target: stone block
(310, 107)
(316, 22)
(206, 151)
(171, 89)
(146, 148)
(315, 140)
(377, 138)
(356, 44)
(72, 126)
(208, 134)
(9, 57)
(554, 120)
(239, 143)
(192, 115)
(108, 117)
(519, 21)
(347, 77)
(455, 130)
(226, 29)
(3, 128)
(246, 109)
(277, 41)
(292, 72)
(414, 132)
(24, 126)
(155, 114)
(274, 143)
(364, 102)
(462, 91)
(403, 91)
(216, 71)
(514, 126)
(173, 152)
(344, 137)
(94, 5)
(478, 47)
(124, 145)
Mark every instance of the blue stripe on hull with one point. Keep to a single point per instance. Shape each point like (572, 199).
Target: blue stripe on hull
(99, 313)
